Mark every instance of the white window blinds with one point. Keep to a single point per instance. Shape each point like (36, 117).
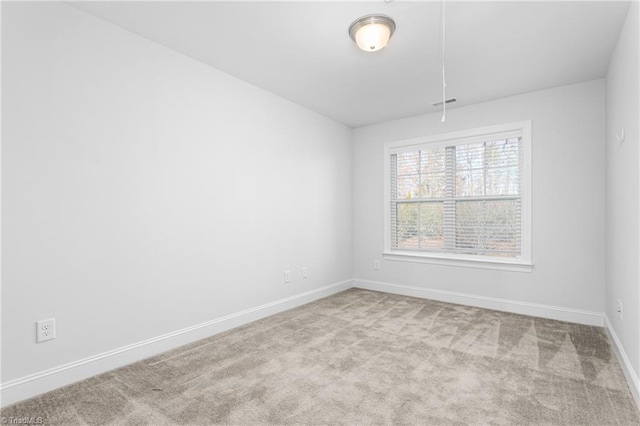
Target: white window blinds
(460, 197)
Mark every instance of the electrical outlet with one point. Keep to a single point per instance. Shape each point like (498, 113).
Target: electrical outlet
(376, 265)
(45, 330)
(619, 309)
(287, 277)
(305, 273)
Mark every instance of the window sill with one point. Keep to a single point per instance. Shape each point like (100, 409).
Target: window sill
(484, 263)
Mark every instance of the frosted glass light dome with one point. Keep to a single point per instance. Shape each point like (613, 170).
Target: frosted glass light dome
(372, 32)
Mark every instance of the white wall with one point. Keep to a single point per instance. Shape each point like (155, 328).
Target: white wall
(144, 192)
(568, 200)
(123, 211)
(623, 190)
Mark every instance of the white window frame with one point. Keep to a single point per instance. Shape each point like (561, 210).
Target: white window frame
(523, 263)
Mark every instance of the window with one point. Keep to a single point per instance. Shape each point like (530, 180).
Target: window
(461, 198)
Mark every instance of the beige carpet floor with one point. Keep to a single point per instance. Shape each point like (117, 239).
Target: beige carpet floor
(361, 357)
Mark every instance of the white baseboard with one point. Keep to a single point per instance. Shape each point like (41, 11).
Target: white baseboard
(38, 383)
(623, 359)
(523, 308)
(44, 381)
(533, 309)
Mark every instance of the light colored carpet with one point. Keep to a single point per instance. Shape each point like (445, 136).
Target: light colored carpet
(361, 357)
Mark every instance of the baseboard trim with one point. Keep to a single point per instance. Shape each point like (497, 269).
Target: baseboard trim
(45, 381)
(523, 308)
(623, 359)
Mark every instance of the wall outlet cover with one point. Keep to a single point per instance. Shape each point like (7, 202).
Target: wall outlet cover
(45, 330)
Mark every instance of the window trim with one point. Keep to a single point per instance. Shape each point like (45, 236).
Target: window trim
(524, 262)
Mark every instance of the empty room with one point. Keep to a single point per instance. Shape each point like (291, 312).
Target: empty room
(367, 212)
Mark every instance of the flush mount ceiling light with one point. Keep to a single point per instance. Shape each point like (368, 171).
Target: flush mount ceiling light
(372, 32)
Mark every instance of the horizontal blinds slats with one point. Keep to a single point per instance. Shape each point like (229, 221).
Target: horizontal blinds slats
(464, 198)
(515, 134)
(393, 171)
(479, 198)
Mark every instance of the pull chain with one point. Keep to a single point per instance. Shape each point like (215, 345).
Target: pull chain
(444, 82)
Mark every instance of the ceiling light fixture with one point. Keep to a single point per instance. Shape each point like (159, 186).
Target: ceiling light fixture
(372, 32)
